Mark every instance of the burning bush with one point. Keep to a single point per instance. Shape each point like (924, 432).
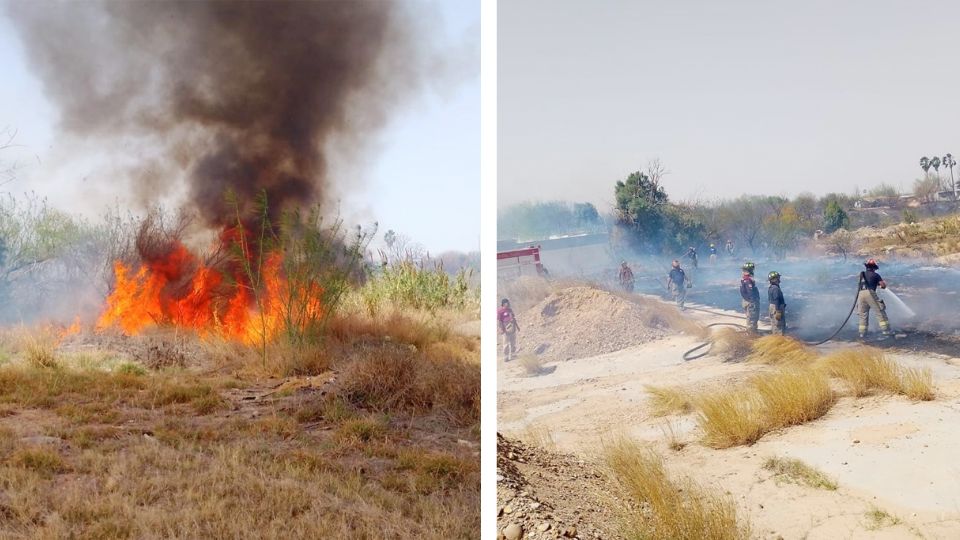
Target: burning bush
(265, 279)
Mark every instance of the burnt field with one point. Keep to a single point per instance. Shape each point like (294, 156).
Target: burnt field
(820, 293)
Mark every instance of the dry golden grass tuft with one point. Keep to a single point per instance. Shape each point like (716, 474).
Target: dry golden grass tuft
(798, 472)
(397, 378)
(362, 430)
(867, 369)
(731, 343)
(677, 509)
(43, 461)
(779, 350)
(537, 435)
(793, 396)
(731, 417)
(670, 434)
(917, 384)
(768, 401)
(39, 348)
(531, 364)
(878, 519)
(666, 400)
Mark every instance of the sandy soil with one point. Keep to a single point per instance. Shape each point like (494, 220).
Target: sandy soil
(885, 452)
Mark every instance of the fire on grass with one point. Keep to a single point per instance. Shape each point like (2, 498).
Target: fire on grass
(247, 299)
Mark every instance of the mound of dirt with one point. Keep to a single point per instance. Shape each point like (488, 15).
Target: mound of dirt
(542, 494)
(579, 322)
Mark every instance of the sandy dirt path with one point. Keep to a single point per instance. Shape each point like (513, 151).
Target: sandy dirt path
(885, 452)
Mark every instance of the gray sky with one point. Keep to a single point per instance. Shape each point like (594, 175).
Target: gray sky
(420, 177)
(734, 97)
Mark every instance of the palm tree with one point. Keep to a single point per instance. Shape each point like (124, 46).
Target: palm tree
(924, 164)
(935, 163)
(948, 161)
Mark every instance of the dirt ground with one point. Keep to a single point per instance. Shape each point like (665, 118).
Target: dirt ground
(886, 453)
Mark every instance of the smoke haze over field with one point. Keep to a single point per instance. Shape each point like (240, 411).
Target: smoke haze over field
(734, 97)
(241, 96)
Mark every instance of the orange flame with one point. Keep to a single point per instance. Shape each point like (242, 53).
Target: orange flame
(154, 295)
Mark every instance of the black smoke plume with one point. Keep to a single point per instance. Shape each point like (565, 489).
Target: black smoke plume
(241, 96)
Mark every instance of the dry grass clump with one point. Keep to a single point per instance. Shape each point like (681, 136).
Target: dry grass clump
(39, 348)
(666, 400)
(866, 369)
(767, 402)
(878, 519)
(917, 384)
(732, 343)
(43, 461)
(778, 350)
(731, 417)
(793, 396)
(798, 472)
(398, 378)
(667, 508)
(531, 364)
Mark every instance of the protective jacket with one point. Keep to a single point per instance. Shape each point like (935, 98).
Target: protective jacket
(748, 289)
(775, 296)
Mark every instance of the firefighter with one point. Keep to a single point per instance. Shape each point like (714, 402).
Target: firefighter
(778, 321)
(867, 299)
(729, 248)
(626, 277)
(677, 282)
(692, 254)
(508, 328)
(713, 254)
(750, 296)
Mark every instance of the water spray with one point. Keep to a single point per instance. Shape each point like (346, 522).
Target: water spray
(900, 304)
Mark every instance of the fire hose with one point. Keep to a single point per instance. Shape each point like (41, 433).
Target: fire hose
(689, 354)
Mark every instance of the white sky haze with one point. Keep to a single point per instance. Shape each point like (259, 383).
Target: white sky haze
(733, 97)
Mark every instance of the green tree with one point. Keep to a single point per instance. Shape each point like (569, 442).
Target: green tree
(586, 214)
(640, 206)
(834, 217)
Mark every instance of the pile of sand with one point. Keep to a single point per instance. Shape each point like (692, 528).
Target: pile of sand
(579, 322)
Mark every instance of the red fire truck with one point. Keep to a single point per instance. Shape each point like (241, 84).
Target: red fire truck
(520, 262)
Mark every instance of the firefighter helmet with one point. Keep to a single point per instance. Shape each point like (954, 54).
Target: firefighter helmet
(504, 302)
(748, 267)
(773, 276)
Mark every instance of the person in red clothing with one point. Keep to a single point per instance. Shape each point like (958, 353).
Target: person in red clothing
(508, 328)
